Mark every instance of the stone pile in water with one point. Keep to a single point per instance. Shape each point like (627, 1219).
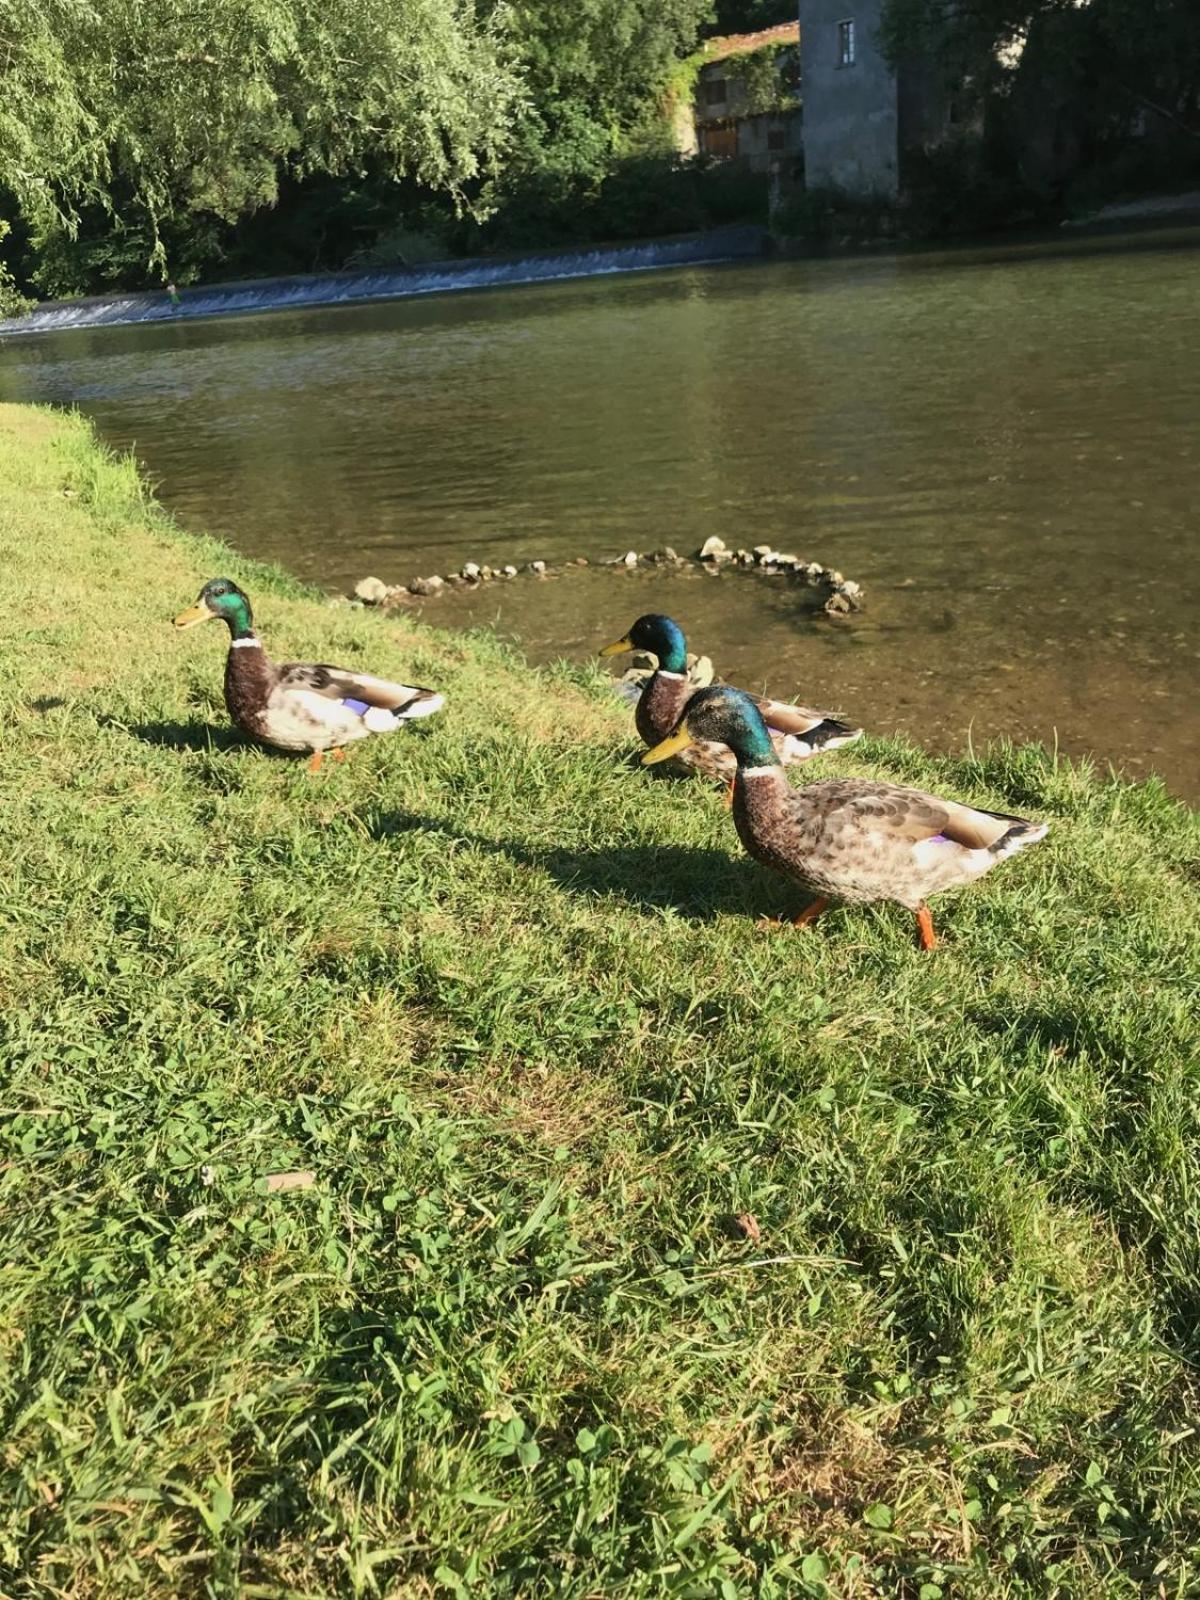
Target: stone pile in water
(842, 595)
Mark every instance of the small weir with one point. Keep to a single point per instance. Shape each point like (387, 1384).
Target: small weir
(392, 283)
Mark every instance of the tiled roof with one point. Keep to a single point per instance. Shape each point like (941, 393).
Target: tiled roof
(739, 44)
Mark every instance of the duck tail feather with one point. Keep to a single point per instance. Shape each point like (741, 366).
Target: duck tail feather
(1017, 837)
(831, 733)
(424, 703)
(825, 735)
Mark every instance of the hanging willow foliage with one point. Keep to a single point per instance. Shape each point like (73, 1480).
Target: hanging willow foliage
(158, 113)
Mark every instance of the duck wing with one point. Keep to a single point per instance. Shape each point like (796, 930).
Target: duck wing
(983, 836)
(940, 836)
(359, 691)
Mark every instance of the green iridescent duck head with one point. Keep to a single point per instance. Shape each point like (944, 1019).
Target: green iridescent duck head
(723, 716)
(661, 636)
(220, 600)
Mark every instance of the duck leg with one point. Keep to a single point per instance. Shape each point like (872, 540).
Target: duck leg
(314, 766)
(729, 794)
(811, 912)
(339, 754)
(925, 933)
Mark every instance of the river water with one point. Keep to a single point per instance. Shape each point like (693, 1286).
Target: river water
(1001, 445)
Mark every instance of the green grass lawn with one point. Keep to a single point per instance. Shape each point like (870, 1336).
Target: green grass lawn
(507, 1000)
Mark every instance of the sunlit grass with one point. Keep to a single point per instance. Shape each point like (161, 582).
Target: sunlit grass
(506, 1000)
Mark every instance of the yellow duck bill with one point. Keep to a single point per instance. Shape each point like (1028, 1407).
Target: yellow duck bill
(670, 746)
(194, 614)
(617, 647)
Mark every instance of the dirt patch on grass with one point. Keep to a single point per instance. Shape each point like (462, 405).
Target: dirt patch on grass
(555, 1108)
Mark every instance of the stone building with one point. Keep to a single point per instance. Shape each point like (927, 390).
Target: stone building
(860, 117)
(747, 102)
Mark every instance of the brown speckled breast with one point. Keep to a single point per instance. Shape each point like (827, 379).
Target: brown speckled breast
(249, 679)
(660, 706)
(762, 815)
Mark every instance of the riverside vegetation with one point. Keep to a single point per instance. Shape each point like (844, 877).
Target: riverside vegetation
(427, 1179)
(149, 144)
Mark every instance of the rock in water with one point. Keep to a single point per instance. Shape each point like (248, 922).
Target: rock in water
(371, 591)
(713, 549)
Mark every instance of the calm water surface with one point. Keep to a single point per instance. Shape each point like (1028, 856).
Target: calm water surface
(1002, 446)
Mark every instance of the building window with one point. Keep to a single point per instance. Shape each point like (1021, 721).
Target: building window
(775, 139)
(714, 92)
(846, 43)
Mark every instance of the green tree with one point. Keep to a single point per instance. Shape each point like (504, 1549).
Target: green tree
(1060, 105)
(1123, 52)
(595, 71)
(148, 122)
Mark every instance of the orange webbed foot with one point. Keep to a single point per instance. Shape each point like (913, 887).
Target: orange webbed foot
(810, 913)
(925, 934)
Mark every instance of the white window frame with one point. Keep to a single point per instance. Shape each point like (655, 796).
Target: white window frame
(847, 42)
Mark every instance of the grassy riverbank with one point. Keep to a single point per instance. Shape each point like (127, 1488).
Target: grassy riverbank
(507, 1001)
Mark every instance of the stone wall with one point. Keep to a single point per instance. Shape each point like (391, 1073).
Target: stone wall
(759, 150)
(851, 122)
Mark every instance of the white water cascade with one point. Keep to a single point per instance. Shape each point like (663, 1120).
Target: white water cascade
(444, 277)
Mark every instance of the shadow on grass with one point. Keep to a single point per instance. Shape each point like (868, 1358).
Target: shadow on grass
(209, 737)
(202, 736)
(699, 883)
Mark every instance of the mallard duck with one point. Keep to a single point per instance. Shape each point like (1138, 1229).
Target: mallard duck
(797, 732)
(846, 839)
(298, 706)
